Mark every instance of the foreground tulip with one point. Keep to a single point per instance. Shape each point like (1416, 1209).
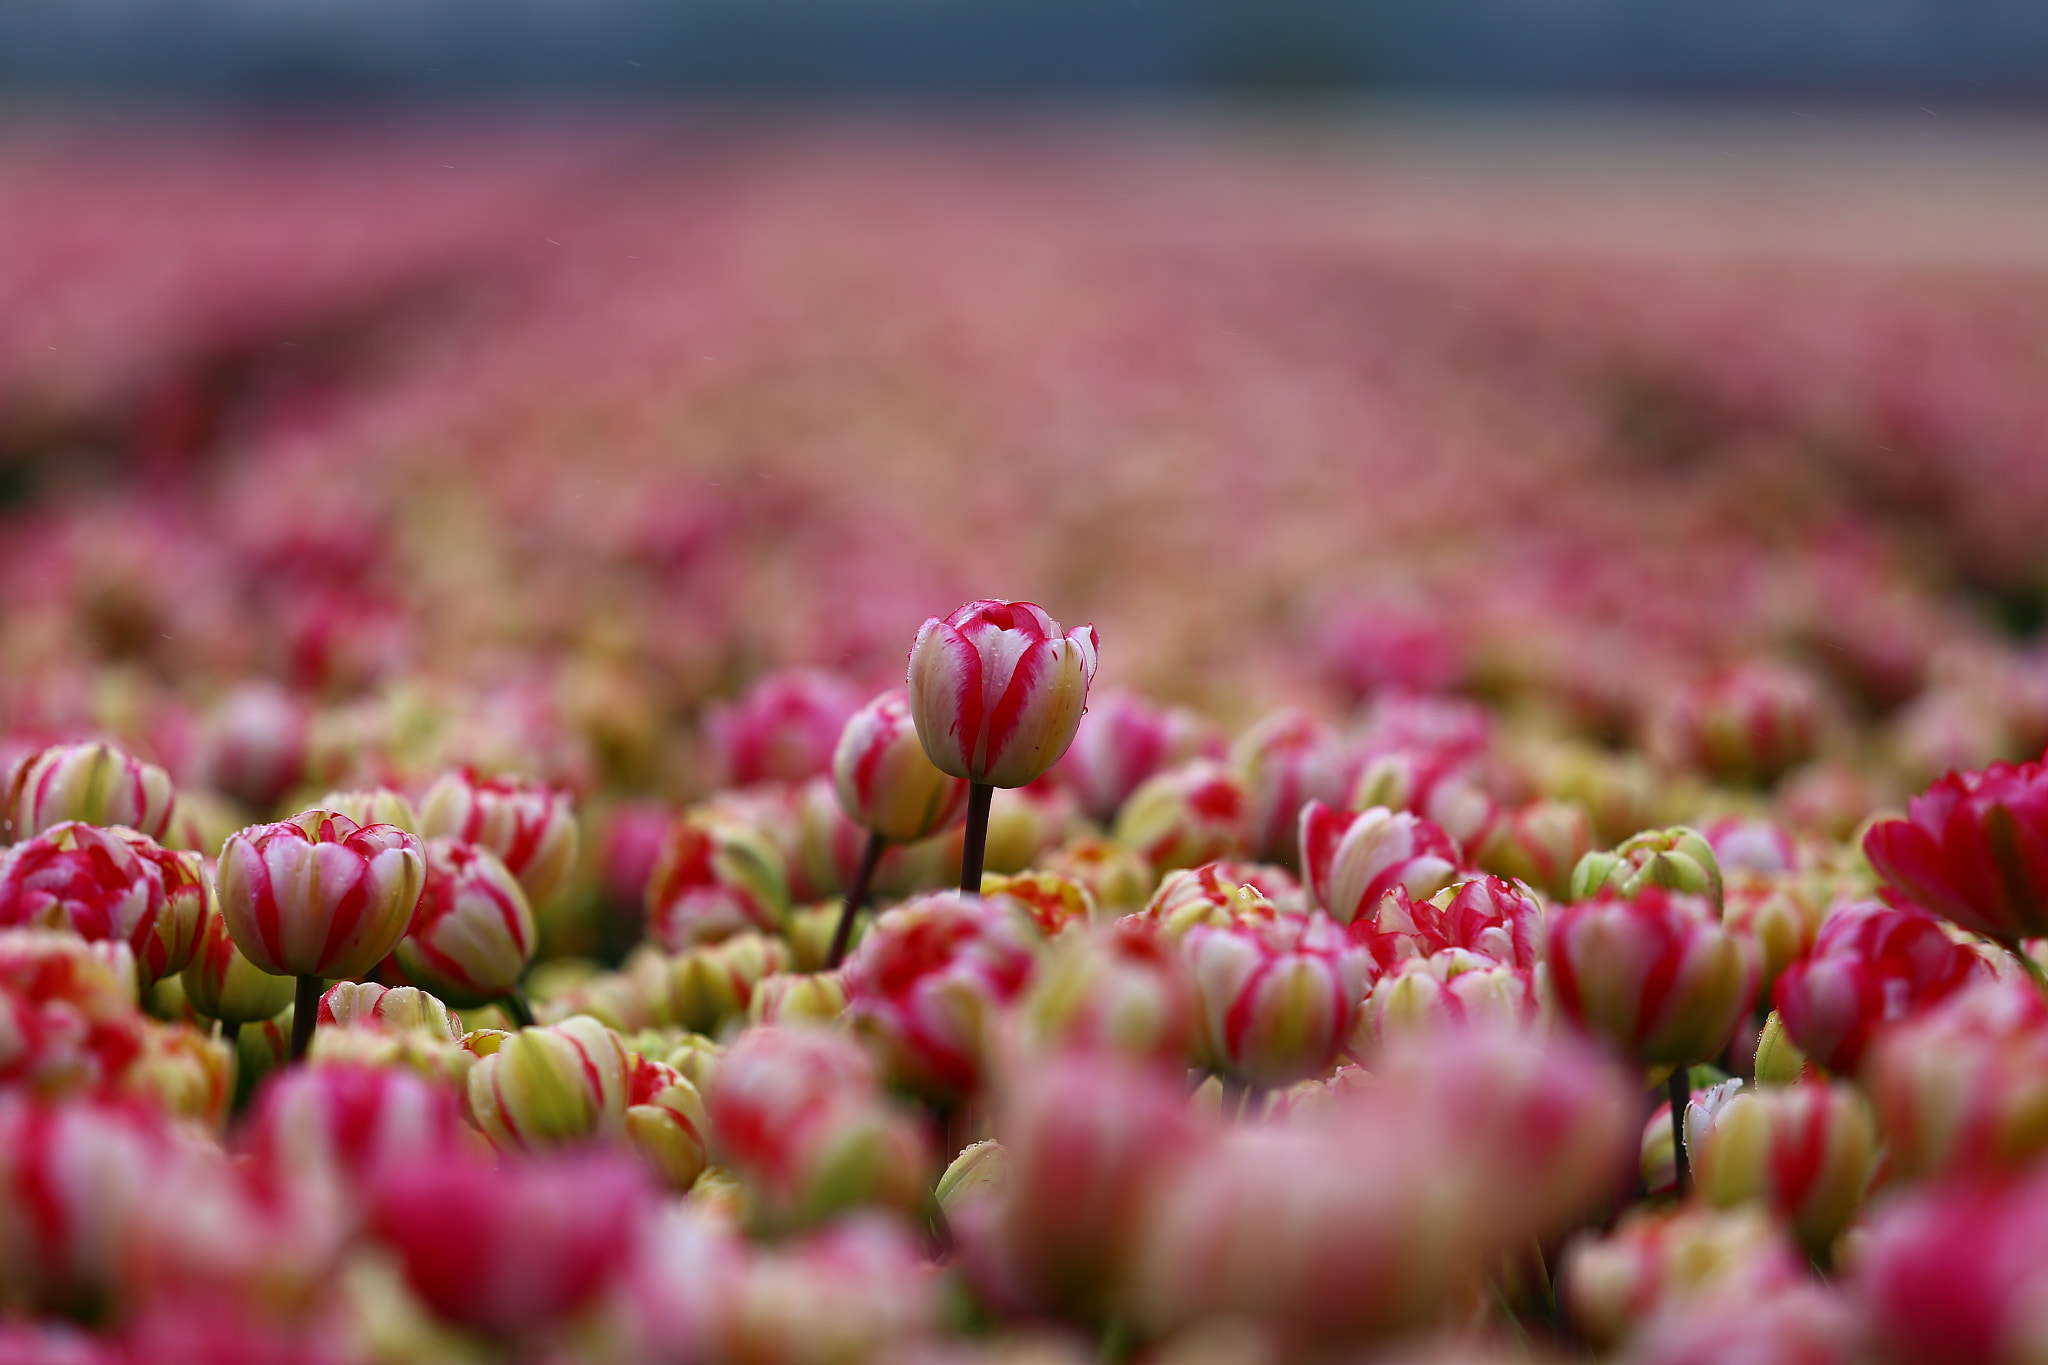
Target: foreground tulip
(1806, 1152)
(996, 692)
(1956, 1274)
(93, 783)
(1963, 1086)
(530, 826)
(1350, 859)
(782, 730)
(1284, 762)
(67, 1013)
(887, 786)
(1870, 966)
(318, 896)
(1124, 739)
(544, 1087)
(472, 936)
(1973, 848)
(325, 1131)
(1275, 999)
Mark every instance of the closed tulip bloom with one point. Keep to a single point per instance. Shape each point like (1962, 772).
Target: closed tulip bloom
(782, 730)
(1677, 859)
(1658, 1260)
(1284, 762)
(1124, 739)
(1955, 1274)
(529, 825)
(1120, 989)
(1963, 1086)
(926, 984)
(188, 900)
(1539, 843)
(713, 879)
(90, 881)
(388, 1009)
(1188, 815)
(703, 988)
(222, 984)
(93, 783)
(1871, 965)
(545, 1087)
(374, 806)
(1973, 848)
(472, 936)
(1655, 975)
(1351, 859)
(258, 744)
(1453, 988)
(1749, 725)
(319, 895)
(886, 784)
(797, 998)
(1780, 914)
(1778, 1062)
(997, 690)
(1806, 1152)
(1275, 1000)
(665, 1122)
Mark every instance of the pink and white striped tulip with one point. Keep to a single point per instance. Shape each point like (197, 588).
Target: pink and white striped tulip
(885, 782)
(472, 936)
(1350, 859)
(1275, 999)
(319, 895)
(1963, 1086)
(1486, 917)
(551, 1086)
(1871, 965)
(529, 825)
(188, 900)
(1655, 974)
(997, 690)
(1285, 761)
(1806, 1152)
(85, 879)
(1124, 739)
(93, 783)
(1188, 815)
(782, 730)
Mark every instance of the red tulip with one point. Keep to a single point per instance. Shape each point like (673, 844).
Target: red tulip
(1973, 848)
(783, 730)
(1871, 964)
(1654, 974)
(1124, 739)
(997, 690)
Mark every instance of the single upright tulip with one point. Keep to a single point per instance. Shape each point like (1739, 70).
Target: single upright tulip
(888, 787)
(797, 998)
(665, 1121)
(1188, 815)
(1973, 848)
(318, 896)
(93, 783)
(782, 730)
(1275, 999)
(1654, 974)
(1871, 965)
(472, 936)
(1125, 739)
(67, 1013)
(1780, 914)
(529, 825)
(1678, 859)
(327, 1130)
(86, 879)
(1284, 762)
(543, 1087)
(1806, 1152)
(1350, 859)
(996, 692)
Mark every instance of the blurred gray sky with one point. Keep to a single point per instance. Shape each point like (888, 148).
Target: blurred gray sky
(1988, 49)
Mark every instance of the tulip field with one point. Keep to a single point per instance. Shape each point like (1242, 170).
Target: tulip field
(756, 740)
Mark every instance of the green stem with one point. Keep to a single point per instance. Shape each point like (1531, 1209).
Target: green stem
(305, 1013)
(978, 797)
(856, 897)
(2031, 967)
(516, 1008)
(1680, 1088)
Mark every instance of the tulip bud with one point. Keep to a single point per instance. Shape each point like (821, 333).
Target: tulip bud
(1540, 843)
(1748, 726)
(1778, 1062)
(1186, 816)
(714, 879)
(1052, 902)
(87, 880)
(531, 828)
(925, 985)
(1451, 988)
(1124, 739)
(701, 989)
(388, 1009)
(1206, 895)
(1284, 762)
(1657, 1260)
(188, 900)
(978, 1178)
(1678, 859)
(997, 690)
(885, 783)
(472, 936)
(782, 730)
(1806, 1152)
(1655, 975)
(1973, 849)
(1352, 859)
(374, 806)
(93, 783)
(318, 895)
(1119, 880)
(543, 1087)
(257, 745)
(1963, 1086)
(222, 984)
(788, 998)
(1275, 999)
(1779, 915)
(1870, 965)
(665, 1122)
(1119, 988)
(184, 1073)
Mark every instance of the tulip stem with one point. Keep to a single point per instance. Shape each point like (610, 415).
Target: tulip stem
(856, 899)
(232, 1032)
(2032, 968)
(515, 1007)
(979, 794)
(1680, 1088)
(305, 1012)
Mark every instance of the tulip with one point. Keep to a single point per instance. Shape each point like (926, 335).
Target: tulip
(1485, 917)
(327, 1131)
(184, 1073)
(1956, 1274)
(1656, 975)
(1806, 1152)
(861, 1289)
(1539, 843)
(1124, 739)
(188, 900)
(1779, 914)
(1350, 860)
(1447, 789)
(222, 984)
(1451, 988)
(67, 1013)
(701, 989)
(530, 826)
(318, 896)
(543, 1087)
(1274, 999)
(996, 692)
(978, 1179)
(1870, 966)
(1053, 903)
(1207, 895)
(1748, 726)
(1120, 989)
(887, 786)
(1185, 816)
(925, 986)
(797, 998)
(714, 878)
(80, 1182)
(388, 1009)
(1778, 1062)
(1284, 762)
(782, 730)
(374, 806)
(665, 1121)
(1963, 1086)
(90, 881)
(1973, 848)
(1678, 859)
(1656, 1260)
(257, 746)
(472, 936)
(93, 783)
(1751, 844)
(1118, 880)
